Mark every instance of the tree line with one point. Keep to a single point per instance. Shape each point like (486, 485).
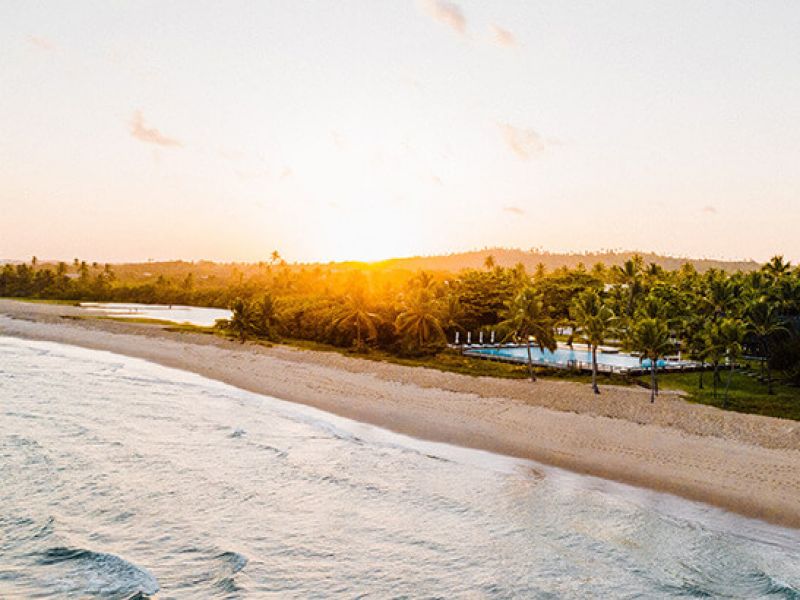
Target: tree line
(713, 317)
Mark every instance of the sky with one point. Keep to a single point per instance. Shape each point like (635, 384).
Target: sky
(376, 128)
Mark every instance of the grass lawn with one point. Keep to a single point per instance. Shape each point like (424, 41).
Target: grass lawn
(747, 394)
(446, 361)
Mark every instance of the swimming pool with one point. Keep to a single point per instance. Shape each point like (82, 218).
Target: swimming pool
(565, 357)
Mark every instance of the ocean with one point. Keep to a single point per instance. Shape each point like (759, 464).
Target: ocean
(120, 478)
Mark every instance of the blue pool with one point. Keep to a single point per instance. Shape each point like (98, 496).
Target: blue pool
(565, 357)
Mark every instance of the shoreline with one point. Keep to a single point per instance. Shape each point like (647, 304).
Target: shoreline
(747, 464)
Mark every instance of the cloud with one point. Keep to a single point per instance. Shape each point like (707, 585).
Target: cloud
(42, 43)
(286, 173)
(245, 175)
(434, 179)
(514, 210)
(149, 135)
(338, 140)
(446, 12)
(233, 155)
(503, 37)
(525, 143)
(710, 210)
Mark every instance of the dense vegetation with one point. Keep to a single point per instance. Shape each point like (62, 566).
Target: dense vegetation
(716, 317)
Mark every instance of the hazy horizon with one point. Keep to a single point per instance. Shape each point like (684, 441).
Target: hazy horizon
(485, 250)
(365, 131)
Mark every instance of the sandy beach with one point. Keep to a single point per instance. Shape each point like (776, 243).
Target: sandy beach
(744, 463)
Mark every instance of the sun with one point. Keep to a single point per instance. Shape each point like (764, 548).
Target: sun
(368, 237)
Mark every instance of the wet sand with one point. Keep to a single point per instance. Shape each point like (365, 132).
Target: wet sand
(744, 463)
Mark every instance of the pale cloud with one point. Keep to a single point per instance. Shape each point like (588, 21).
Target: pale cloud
(710, 210)
(525, 143)
(338, 140)
(435, 179)
(149, 135)
(286, 173)
(503, 37)
(514, 210)
(232, 155)
(446, 12)
(42, 43)
(248, 174)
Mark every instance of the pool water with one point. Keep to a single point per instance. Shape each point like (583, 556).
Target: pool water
(566, 357)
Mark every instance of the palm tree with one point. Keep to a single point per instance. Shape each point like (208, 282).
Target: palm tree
(713, 351)
(787, 294)
(594, 322)
(650, 337)
(777, 267)
(721, 295)
(265, 317)
(418, 321)
(239, 323)
(732, 332)
(489, 262)
(629, 275)
(695, 341)
(528, 319)
(356, 317)
(451, 313)
(422, 280)
(764, 322)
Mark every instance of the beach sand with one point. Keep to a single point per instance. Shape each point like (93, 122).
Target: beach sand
(744, 463)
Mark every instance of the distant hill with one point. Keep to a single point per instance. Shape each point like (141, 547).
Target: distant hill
(208, 271)
(508, 257)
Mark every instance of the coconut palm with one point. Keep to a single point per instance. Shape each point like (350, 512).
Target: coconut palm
(356, 318)
(594, 322)
(527, 317)
(721, 295)
(695, 341)
(777, 267)
(452, 313)
(764, 322)
(787, 295)
(239, 323)
(422, 280)
(418, 320)
(629, 275)
(265, 317)
(732, 332)
(651, 338)
(713, 351)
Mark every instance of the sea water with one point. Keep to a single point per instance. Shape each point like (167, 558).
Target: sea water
(119, 477)
(194, 315)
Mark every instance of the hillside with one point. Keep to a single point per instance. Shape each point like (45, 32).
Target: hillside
(214, 273)
(508, 257)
